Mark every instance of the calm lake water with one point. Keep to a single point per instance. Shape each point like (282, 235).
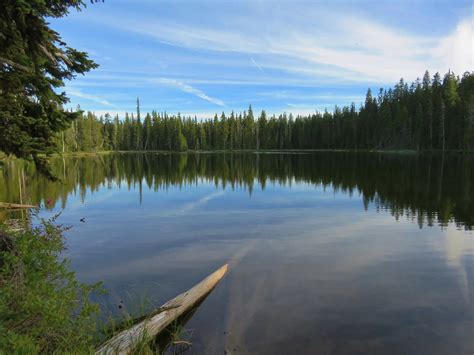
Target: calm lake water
(331, 253)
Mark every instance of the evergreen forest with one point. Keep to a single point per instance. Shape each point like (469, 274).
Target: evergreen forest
(433, 113)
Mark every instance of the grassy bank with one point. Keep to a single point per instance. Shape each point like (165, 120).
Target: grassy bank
(43, 308)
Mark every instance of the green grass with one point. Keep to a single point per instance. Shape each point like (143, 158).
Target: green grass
(115, 324)
(178, 336)
(43, 308)
(174, 339)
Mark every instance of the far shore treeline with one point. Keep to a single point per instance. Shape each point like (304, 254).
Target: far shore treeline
(431, 113)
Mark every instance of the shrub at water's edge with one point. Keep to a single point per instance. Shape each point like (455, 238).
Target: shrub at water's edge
(43, 308)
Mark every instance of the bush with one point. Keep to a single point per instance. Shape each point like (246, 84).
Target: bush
(43, 308)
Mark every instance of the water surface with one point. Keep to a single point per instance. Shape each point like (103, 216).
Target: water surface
(331, 253)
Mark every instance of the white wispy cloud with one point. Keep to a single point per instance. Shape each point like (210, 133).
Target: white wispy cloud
(190, 90)
(93, 98)
(353, 48)
(297, 95)
(323, 55)
(456, 50)
(138, 79)
(257, 65)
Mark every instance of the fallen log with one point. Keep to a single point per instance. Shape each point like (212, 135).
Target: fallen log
(15, 205)
(125, 341)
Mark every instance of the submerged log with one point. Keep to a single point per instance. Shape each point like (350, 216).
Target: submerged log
(15, 205)
(125, 341)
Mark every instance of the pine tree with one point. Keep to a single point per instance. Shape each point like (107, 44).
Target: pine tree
(34, 62)
(147, 131)
(127, 133)
(442, 125)
(261, 131)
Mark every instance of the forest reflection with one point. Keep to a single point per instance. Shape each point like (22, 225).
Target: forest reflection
(428, 188)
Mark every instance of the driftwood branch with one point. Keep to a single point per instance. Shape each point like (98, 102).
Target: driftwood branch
(125, 341)
(15, 205)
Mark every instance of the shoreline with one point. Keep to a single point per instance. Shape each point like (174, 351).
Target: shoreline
(265, 151)
(4, 157)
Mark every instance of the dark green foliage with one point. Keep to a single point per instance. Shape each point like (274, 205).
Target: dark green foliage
(430, 114)
(34, 62)
(43, 308)
(433, 187)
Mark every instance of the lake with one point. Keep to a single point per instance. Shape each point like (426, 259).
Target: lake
(330, 253)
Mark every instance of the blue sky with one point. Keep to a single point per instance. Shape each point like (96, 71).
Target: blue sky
(203, 57)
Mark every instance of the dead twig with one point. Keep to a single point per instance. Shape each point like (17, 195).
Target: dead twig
(182, 342)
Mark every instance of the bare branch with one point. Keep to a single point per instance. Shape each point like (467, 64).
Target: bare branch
(15, 65)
